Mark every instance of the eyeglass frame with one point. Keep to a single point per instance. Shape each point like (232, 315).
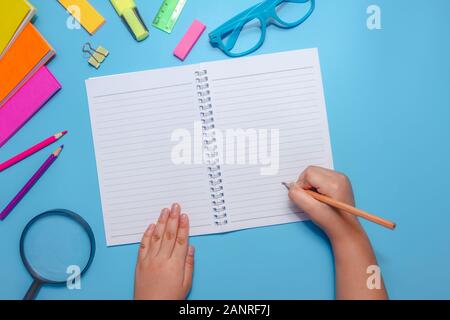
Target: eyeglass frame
(266, 13)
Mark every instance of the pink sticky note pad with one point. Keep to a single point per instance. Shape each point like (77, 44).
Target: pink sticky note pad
(189, 40)
(26, 102)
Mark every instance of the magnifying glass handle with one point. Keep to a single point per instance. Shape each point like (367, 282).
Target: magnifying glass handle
(33, 290)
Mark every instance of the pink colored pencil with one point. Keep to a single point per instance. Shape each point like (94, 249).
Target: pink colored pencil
(31, 151)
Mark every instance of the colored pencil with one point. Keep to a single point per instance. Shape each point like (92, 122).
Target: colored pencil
(41, 145)
(349, 209)
(35, 178)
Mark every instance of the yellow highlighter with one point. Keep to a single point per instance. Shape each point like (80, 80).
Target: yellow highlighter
(129, 13)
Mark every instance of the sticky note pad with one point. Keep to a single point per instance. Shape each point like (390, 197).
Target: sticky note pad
(27, 54)
(14, 16)
(189, 40)
(85, 14)
(26, 102)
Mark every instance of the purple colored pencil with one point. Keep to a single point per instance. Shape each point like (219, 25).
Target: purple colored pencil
(35, 178)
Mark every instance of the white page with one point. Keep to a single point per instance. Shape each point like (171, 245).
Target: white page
(133, 117)
(281, 91)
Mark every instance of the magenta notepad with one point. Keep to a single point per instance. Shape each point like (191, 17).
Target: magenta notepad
(26, 102)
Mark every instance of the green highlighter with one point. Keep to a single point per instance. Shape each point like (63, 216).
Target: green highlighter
(129, 13)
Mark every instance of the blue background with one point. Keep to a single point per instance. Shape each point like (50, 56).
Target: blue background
(388, 99)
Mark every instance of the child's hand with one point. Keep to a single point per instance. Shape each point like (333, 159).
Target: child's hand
(353, 253)
(336, 224)
(166, 261)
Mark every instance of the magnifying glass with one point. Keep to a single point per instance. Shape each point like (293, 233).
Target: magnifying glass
(54, 246)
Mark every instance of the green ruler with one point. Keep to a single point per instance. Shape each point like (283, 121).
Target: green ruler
(168, 14)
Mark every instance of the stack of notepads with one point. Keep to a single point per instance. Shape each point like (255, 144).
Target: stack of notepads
(25, 82)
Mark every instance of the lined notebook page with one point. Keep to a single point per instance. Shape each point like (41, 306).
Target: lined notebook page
(284, 92)
(133, 117)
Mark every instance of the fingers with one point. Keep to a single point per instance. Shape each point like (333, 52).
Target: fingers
(331, 184)
(325, 181)
(313, 177)
(189, 269)
(171, 231)
(158, 233)
(182, 242)
(305, 202)
(145, 242)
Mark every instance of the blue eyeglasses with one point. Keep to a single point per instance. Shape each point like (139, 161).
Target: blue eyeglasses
(246, 32)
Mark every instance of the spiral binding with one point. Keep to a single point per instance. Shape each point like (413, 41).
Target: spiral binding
(210, 148)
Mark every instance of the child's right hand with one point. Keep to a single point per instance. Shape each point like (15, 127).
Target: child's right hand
(336, 224)
(353, 253)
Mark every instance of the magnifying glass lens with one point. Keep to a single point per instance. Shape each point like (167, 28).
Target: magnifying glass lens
(55, 247)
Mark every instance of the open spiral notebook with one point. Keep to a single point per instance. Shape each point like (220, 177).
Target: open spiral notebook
(143, 123)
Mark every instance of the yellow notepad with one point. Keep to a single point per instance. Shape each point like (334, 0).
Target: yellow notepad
(88, 17)
(14, 16)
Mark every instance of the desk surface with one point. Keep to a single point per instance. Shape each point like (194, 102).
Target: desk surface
(388, 101)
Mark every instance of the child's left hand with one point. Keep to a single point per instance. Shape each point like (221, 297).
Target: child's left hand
(166, 261)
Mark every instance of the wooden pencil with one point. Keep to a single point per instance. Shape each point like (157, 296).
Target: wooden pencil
(25, 154)
(348, 208)
(27, 187)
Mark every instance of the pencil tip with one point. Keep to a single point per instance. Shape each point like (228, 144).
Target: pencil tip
(58, 151)
(64, 132)
(286, 185)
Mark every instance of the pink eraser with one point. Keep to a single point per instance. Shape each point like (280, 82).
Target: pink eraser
(189, 39)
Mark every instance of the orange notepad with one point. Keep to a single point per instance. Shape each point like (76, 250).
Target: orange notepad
(28, 53)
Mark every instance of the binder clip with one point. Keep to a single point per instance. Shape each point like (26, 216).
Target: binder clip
(97, 56)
